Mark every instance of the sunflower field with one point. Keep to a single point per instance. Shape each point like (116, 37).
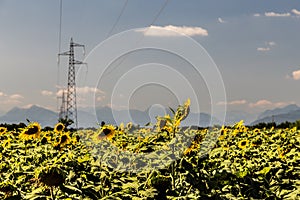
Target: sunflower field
(160, 161)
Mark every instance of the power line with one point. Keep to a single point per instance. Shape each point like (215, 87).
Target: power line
(118, 19)
(59, 50)
(159, 13)
(147, 29)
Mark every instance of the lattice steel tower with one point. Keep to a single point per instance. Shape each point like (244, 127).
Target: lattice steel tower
(69, 105)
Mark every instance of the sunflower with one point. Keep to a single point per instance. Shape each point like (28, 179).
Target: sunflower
(107, 131)
(59, 127)
(3, 130)
(32, 131)
(243, 144)
(257, 142)
(64, 139)
(129, 126)
(188, 151)
(52, 176)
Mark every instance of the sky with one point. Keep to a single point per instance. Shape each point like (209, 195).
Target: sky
(238, 54)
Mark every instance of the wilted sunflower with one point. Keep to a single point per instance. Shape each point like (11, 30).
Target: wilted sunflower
(32, 131)
(59, 128)
(243, 144)
(3, 130)
(52, 176)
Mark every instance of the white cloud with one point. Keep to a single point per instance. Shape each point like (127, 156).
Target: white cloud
(88, 90)
(273, 14)
(268, 104)
(16, 96)
(171, 31)
(82, 91)
(101, 98)
(263, 49)
(2, 94)
(296, 12)
(271, 43)
(267, 47)
(296, 75)
(235, 102)
(256, 15)
(261, 103)
(221, 20)
(46, 93)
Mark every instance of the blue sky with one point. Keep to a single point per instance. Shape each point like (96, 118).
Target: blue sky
(254, 44)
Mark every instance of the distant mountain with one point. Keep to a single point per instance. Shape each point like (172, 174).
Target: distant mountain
(34, 113)
(235, 116)
(91, 119)
(143, 117)
(86, 119)
(290, 117)
(278, 111)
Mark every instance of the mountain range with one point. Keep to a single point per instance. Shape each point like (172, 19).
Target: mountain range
(290, 113)
(92, 117)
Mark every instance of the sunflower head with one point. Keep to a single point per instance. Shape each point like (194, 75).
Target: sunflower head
(64, 139)
(3, 130)
(52, 176)
(59, 127)
(182, 112)
(32, 131)
(243, 144)
(107, 131)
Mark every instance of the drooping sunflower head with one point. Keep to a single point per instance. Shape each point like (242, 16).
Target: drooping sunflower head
(52, 176)
(129, 126)
(32, 131)
(3, 130)
(243, 144)
(182, 112)
(59, 127)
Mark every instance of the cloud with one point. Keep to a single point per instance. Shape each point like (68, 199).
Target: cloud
(88, 90)
(273, 14)
(271, 43)
(10, 100)
(221, 20)
(46, 93)
(268, 104)
(296, 12)
(296, 75)
(16, 96)
(173, 31)
(2, 94)
(268, 46)
(263, 49)
(82, 91)
(101, 98)
(231, 103)
(261, 103)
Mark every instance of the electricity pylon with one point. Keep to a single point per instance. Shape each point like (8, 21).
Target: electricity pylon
(69, 106)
